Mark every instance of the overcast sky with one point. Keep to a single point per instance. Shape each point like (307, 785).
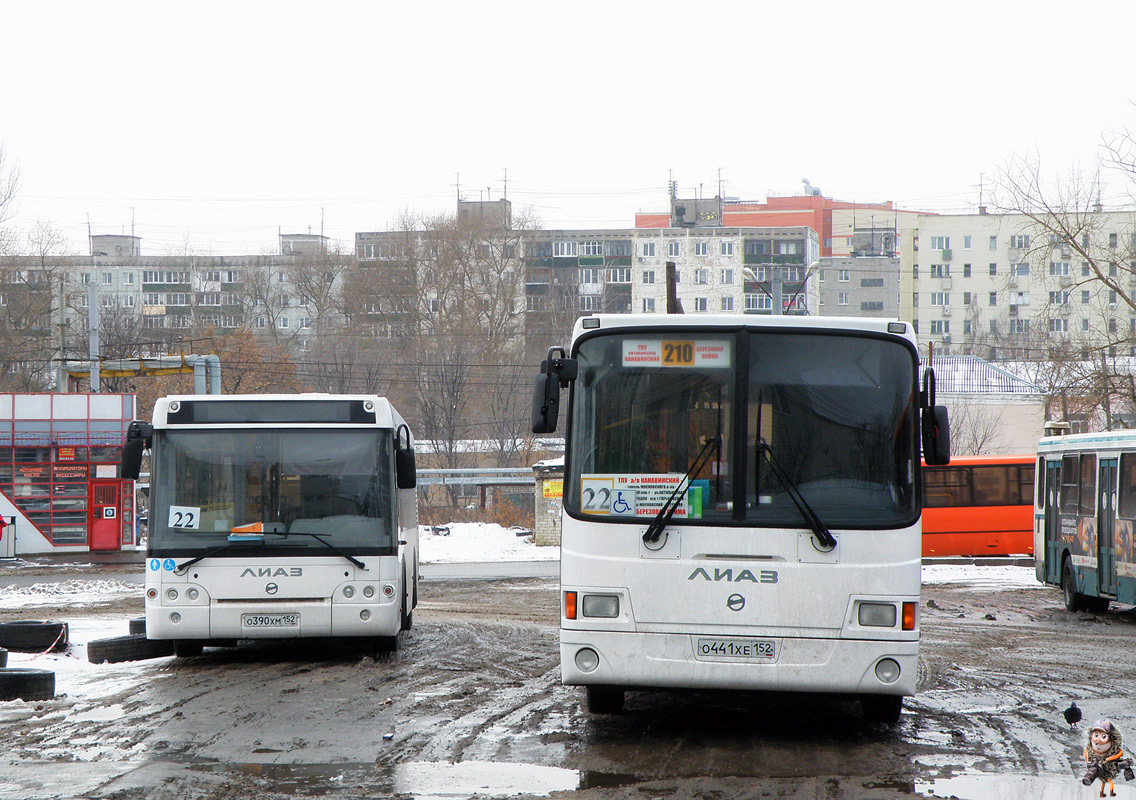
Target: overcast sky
(209, 126)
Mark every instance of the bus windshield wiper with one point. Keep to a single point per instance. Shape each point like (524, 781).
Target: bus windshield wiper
(663, 518)
(215, 551)
(324, 542)
(823, 535)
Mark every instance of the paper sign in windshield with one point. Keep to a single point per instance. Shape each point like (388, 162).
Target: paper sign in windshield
(640, 495)
(691, 353)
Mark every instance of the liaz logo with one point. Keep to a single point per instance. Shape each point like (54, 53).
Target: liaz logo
(728, 575)
(270, 572)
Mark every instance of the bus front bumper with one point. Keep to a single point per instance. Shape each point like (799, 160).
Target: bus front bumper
(668, 660)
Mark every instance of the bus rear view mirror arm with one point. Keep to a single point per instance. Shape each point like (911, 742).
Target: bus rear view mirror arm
(139, 435)
(556, 372)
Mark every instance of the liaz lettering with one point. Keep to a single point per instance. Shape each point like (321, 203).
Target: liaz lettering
(728, 575)
(271, 572)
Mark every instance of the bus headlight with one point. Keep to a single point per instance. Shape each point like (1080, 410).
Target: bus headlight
(601, 605)
(587, 659)
(876, 615)
(348, 591)
(171, 594)
(193, 594)
(368, 591)
(887, 670)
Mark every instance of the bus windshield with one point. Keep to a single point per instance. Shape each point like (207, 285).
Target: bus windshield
(333, 483)
(835, 413)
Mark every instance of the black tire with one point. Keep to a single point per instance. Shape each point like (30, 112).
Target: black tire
(185, 648)
(135, 647)
(1074, 600)
(33, 636)
(3, 658)
(384, 646)
(407, 611)
(138, 625)
(605, 699)
(884, 708)
(27, 684)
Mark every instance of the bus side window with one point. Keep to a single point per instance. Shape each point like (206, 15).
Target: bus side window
(1041, 478)
(1126, 503)
(1070, 483)
(1088, 484)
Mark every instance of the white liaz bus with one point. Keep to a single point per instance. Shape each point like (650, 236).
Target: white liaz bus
(741, 504)
(276, 516)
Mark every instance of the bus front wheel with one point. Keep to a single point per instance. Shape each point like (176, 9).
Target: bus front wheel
(605, 699)
(1074, 600)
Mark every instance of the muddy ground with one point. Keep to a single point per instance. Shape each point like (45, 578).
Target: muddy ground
(477, 682)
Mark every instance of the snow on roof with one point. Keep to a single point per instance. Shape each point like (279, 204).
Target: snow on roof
(972, 375)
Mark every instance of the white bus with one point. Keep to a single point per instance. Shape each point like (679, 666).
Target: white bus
(741, 504)
(275, 516)
(1085, 513)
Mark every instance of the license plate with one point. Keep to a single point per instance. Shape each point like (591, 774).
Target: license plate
(735, 649)
(270, 620)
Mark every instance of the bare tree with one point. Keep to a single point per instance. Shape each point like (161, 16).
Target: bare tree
(975, 428)
(9, 188)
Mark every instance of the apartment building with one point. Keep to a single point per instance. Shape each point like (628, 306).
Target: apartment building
(1002, 285)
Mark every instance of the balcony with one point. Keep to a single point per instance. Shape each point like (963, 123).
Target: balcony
(946, 311)
(945, 282)
(947, 255)
(1013, 311)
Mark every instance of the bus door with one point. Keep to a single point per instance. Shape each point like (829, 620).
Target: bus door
(1106, 528)
(105, 526)
(1052, 522)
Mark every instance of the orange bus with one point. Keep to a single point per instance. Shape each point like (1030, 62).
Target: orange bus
(979, 506)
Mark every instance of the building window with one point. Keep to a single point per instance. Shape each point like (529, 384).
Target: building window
(1058, 298)
(993, 298)
(1058, 268)
(673, 248)
(966, 243)
(940, 326)
(1021, 270)
(993, 270)
(152, 299)
(1084, 297)
(1019, 241)
(648, 277)
(619, 275)
(1112, 241)
(564, 249)
(700, 304)
(727, 248)
(966, 298)
(589, 275)
(966, 270)
(1019, 326)
(993, 242)
(844, 275)
(940, 242)
(1059, 325)
(701, 249)
(128, 279)
(282, 322)
(788, 248)
(702, 276)
(591, 248)
(1019, 298)
(842, 298)
(648, 249)
(648, 305)
(728, 303)
(940, 270)
(872, 306)
(128, 301)
(940, 299)
(590, 302)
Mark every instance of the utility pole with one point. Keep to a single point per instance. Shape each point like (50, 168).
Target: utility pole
(777, 290)
(93, 324)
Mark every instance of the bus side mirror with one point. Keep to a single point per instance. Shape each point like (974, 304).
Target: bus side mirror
(405, 473)
(555, 371)
(546, 403)
(936, 436)
(139, 435)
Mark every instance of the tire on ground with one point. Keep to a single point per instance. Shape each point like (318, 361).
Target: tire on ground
(138, 625)
(34, 636)
(27, 684)
(127, 648)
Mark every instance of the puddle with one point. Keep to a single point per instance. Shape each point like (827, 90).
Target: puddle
(98, 714)
(1018, 787)
(441, 781)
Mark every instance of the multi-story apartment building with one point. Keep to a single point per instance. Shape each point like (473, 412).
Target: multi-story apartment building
(1003, 285)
